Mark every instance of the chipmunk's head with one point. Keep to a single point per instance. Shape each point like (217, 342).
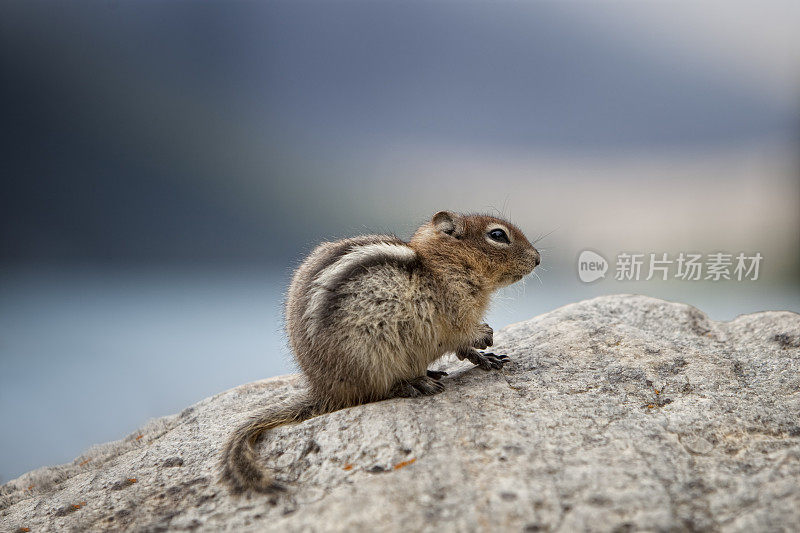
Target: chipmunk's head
(490, 246)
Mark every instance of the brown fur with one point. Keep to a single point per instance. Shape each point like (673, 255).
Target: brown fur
(366, 316)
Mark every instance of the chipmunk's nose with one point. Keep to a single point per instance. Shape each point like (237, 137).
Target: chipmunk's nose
(536, 258)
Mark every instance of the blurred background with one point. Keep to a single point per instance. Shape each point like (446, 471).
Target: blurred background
(166, 164)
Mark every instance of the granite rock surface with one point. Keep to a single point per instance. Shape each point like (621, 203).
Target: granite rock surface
(620, 413)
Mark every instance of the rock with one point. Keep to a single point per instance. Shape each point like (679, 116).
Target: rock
(618, 413)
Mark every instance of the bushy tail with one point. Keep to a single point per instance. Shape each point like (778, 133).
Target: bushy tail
(241, 470)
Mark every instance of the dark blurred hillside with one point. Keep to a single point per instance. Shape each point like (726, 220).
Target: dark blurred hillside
(235, 132)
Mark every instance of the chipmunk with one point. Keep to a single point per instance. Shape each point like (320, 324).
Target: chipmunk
(365, 317)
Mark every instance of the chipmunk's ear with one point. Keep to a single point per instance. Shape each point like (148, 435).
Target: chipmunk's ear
(449, 223)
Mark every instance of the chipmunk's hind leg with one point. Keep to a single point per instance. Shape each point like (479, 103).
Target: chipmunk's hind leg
(420, 386)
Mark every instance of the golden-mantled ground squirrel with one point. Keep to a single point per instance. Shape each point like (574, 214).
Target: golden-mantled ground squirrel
(366, 316)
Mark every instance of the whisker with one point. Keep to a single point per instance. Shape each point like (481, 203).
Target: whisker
(545, 235)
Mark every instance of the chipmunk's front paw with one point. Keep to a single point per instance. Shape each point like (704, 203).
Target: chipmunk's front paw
(486, 361)
(485, 337)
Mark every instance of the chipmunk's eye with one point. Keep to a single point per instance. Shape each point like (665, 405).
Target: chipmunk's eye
(499, 236)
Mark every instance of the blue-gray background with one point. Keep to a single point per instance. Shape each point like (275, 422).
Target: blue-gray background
(166, 164)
